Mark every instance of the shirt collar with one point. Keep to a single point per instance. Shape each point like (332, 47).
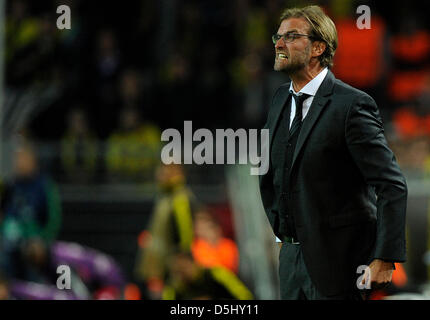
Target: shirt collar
(312, 86)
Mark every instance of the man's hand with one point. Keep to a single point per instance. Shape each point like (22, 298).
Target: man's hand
(380, 274)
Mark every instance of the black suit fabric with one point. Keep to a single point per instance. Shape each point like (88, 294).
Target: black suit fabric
(344, 188)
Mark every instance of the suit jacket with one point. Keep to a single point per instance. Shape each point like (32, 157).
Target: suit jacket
(347, 194)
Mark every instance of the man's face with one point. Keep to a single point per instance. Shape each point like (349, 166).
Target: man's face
(293, 56)
(25, 164)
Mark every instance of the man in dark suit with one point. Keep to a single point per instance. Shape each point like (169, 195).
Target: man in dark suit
(334, 194)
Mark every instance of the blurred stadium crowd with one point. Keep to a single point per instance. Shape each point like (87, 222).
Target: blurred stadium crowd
(84, 109)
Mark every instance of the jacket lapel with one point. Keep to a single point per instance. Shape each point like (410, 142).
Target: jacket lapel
(278, 105)
(321, 99)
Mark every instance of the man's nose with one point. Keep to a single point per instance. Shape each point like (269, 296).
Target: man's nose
(280, 43)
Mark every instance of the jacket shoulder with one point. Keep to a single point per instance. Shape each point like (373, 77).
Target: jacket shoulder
(279, 94)
(282, 88)
(348, 93)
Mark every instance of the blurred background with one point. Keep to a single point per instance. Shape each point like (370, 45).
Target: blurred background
(82, 111)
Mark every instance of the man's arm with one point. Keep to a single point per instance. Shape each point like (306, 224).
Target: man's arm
(365, 138)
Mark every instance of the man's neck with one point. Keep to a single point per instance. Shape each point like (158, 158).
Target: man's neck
(304, 76)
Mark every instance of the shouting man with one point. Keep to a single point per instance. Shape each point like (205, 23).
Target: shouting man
(334, 194)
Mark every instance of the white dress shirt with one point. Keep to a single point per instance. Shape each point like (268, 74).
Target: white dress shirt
(311, 89)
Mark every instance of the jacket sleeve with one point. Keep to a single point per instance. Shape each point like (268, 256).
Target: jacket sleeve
(368, 147)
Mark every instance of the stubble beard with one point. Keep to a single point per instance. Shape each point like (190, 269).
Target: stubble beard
(290, 68)
(294, 65)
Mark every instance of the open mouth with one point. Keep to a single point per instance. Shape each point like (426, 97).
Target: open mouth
(282, 56)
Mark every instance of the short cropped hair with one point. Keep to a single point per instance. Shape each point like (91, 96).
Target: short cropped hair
(322, 28)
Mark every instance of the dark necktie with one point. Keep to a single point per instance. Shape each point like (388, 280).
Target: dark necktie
(297, 121)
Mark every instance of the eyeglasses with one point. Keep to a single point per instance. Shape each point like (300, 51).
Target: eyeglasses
(289, 37)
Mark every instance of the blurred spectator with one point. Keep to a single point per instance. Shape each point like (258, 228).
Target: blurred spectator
(22, 30)
(177, 90)
(189, 281)
(93, 275)
(108, 57)
(136, 92)
(100, 274)
(170, 228)
(130, 89)
(31, 216)
(210, 248)
(108, 63)
(79, 149)
(31, 45)
(132, 152)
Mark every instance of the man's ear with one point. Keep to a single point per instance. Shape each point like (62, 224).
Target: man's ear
(318, 48)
